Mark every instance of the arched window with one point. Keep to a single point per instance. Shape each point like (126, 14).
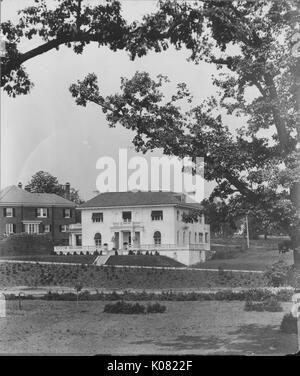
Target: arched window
(177, 237)
(98, 239)
(157, 237)
(183, 237)
(200, 237)
(195, 237)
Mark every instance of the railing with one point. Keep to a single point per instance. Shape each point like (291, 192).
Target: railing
(81, 249)
(134, 247)
(126, 223)
(164, 247)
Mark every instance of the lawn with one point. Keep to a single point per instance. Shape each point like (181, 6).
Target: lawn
(143, 260)
(195, 328)
(22, 274)
(261, 254)
(77, 259)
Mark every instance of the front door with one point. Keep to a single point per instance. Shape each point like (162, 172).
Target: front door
(117, 240)
(137, 240)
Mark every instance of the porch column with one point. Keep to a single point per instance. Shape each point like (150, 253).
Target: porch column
(132, 236)
(121, 239)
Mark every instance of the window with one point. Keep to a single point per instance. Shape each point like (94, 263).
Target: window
(97, 217)
(42, 213)
(190, 237)
(200, 237)
(157, 238)
(32, 228)
(177, 237)
(183, 237)
(64, 228)
(98, 239)
(178, 215)
(206, 237)
(47, 228)
(195, 237)
(67, 213)
(126, 216)
(78, 240)
(157, 215)
(9, 212)
(10, 228)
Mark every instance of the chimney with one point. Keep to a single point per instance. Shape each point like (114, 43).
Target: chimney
(67, 191)
(20, 185)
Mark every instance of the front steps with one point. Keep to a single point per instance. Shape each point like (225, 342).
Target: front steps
(101, 260)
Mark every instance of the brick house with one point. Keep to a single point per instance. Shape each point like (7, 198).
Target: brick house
(36, 213)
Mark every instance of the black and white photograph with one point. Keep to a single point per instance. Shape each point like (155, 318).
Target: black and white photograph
(150, 179)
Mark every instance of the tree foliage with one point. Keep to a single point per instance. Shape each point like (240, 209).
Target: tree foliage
(257, 166)
(250, 44)
(44, 182)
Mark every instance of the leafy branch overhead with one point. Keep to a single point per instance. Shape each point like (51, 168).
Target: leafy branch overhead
(249, 42)
(258, 80)
(76, 23)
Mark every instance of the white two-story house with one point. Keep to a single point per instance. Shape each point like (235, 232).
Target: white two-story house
(141, 221)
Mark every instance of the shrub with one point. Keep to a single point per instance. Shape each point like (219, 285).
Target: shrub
(126, 308)
(285, 246)
(26, 244)
(289, 324)
(279, 274)
(156, 308)
(270, 304)
(130, 308)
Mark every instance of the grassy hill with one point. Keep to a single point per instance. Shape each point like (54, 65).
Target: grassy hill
(143, 260)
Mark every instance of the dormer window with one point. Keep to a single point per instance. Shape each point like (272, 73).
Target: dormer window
(42, 212)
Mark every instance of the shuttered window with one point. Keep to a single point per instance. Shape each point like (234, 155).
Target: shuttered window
(97, 217)
(9, 212)
(10, 228)
(42, 212)
(157, 215)
(67, 213)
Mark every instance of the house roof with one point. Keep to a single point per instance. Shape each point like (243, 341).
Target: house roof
(14, 195)
(139, 198)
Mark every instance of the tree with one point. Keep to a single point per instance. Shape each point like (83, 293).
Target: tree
(249, 42)
(71, 23)
(44, 182)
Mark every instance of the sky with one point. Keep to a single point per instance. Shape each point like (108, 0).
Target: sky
(46, 130)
